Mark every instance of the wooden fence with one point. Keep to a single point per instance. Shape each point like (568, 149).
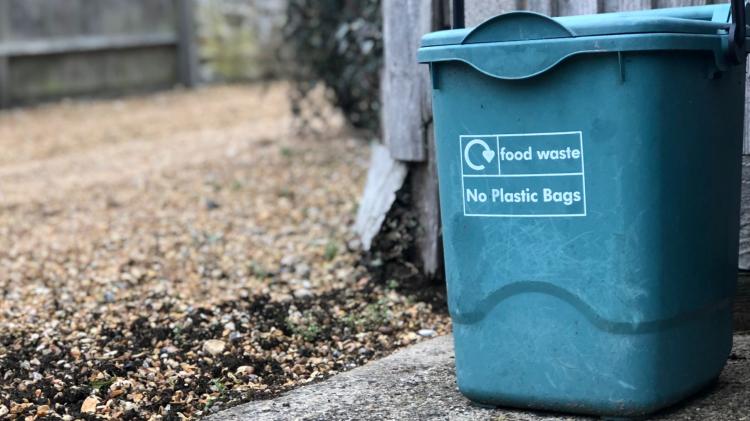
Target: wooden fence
(407, 114)
(50, 49)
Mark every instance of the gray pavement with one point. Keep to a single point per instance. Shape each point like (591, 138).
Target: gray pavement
(418, 383)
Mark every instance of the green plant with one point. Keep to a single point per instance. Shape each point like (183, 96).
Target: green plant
(307, 327)
(286, 152)
(102, 384)
(372, 316)
(336, 43)
(285, 192)
(257, 269)
(310, 332)
(331, 250)
(218, 385)
(177, 336)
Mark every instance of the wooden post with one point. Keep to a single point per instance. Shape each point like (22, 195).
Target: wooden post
(407, 120)
(626, 5)
(404, 83)
(187, 58)
(4, 31)
(477, 11)
(548, 8)
(578, 7)
(385, 177)
(407, 128)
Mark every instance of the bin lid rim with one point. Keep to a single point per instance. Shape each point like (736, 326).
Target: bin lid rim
(528, 26)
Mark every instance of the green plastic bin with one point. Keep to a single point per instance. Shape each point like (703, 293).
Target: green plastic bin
(589, 173)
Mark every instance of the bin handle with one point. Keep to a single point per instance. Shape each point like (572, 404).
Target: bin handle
(737, 31)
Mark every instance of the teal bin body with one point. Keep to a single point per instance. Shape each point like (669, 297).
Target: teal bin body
(589, 174)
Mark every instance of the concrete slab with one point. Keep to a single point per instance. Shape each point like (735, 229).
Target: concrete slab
(418, 383)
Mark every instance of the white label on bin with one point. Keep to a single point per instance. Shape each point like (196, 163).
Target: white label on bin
(532, 175)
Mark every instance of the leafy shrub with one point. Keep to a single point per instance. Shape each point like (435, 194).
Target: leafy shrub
(336, 43)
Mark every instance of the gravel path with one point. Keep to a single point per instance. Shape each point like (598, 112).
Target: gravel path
(167, 256)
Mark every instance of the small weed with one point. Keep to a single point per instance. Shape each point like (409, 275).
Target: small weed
(213, 238)
(258, 270)
(236, 185)
(102, 384)
(307, 327)
(310, 332)
(286, 152)
(373, 316)
(350, 321)
(391, 284)
(286, 193)
(177, 335)
(218, 386)
(332, 249)
(376, 314)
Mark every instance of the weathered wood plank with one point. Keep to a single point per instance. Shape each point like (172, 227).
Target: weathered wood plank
(657, 4)
(86, 47)
(41, 78)
(42, 19)
(403, 91)
(545, 7)
(385, 177)
(477, 11)
(407, 116)
(424, 189)
(438, 17)
(577, 7)
(187, 57)
(424, 183)
(626, 5)
(89, 43)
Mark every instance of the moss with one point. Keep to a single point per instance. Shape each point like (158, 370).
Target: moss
(230, 46)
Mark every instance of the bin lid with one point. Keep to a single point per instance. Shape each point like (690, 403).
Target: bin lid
(511, 35)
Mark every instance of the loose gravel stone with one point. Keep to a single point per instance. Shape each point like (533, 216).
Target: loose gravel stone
(427, 333)
(302, 270)
(115, 268)
(245, 370)
(42, 410)
(302, 293)
(214, 347)
(89, 405)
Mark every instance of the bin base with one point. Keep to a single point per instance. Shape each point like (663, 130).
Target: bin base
(536, 352)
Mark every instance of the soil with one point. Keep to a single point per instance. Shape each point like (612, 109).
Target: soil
(167, 256)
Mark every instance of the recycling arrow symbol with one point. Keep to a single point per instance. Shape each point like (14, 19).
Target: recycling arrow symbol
(488, 154)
